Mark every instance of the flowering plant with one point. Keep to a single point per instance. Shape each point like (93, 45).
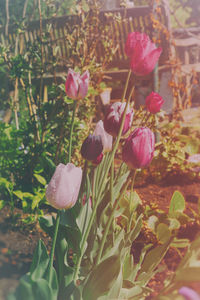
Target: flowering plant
(90, 245)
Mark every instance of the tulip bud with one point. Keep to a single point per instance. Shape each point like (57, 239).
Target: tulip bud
(188, 293)
(139, 147)
(143, 53)
(154, 102)
(63, 188)
(114, 116)
(105, 137)
(76, 86)
(92, 147)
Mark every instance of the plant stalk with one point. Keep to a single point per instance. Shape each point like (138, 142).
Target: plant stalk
(85, 236)
(71, 131)
(126, 85)
(50, 266)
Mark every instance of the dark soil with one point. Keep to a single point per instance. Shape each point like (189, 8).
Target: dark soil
(17, 242)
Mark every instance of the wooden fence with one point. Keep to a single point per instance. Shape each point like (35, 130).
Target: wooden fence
(131, 19)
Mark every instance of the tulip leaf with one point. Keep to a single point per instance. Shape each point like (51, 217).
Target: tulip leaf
(116, 288)
(102, 278)
(133, 234)
(24, 290)
(128, 266)
(177, 204)
(84, 216)
(42, 290)
(70, 292)
(129, 293)
(180, 243)
(189, 267)
(163, 232)
(152, 260)
(40, 261)
(46, 223)
(117, 245)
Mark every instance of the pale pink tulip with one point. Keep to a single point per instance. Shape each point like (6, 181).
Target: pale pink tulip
(63, 188)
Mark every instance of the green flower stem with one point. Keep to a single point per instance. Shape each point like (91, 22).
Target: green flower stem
(131, 196)
(50, 265)
(71, 131)
(111, 218)
(84, 177)
(111, 181)
(85, 236)
(126, 85)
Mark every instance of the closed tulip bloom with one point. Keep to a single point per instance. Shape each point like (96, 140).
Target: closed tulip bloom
(106, 138)
(97, 161)
(143, 53)
(92, 147)
(139, 147)
(188, 293)
(76, 86)
(114, 116)
(154, 102)
(63, 188)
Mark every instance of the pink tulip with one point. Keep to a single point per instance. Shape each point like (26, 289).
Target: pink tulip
(188, 293)
(63, 188)
(143, 53)
(139, 147)
(76, 86)
(154, 102)
(114, 116)
(106, 138)
(92, 147)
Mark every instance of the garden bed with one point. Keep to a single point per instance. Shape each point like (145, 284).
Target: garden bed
(17, 242)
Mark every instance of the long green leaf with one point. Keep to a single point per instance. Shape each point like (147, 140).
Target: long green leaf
(102, 278)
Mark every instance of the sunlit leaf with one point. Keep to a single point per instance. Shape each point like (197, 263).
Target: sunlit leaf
(177, 203)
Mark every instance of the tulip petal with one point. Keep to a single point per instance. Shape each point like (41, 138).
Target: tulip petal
(83, 86)
(106, 138)
(188, 293)
(63, 188)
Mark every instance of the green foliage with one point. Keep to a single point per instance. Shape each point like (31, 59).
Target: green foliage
(36, 284)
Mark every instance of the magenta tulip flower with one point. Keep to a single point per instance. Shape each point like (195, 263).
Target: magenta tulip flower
(63, 188)
(188, 293)
(106, 138)
(92, 147)
(154, 102)
(76, 86)
(114, 116)
(142, 52)
(139, 147)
